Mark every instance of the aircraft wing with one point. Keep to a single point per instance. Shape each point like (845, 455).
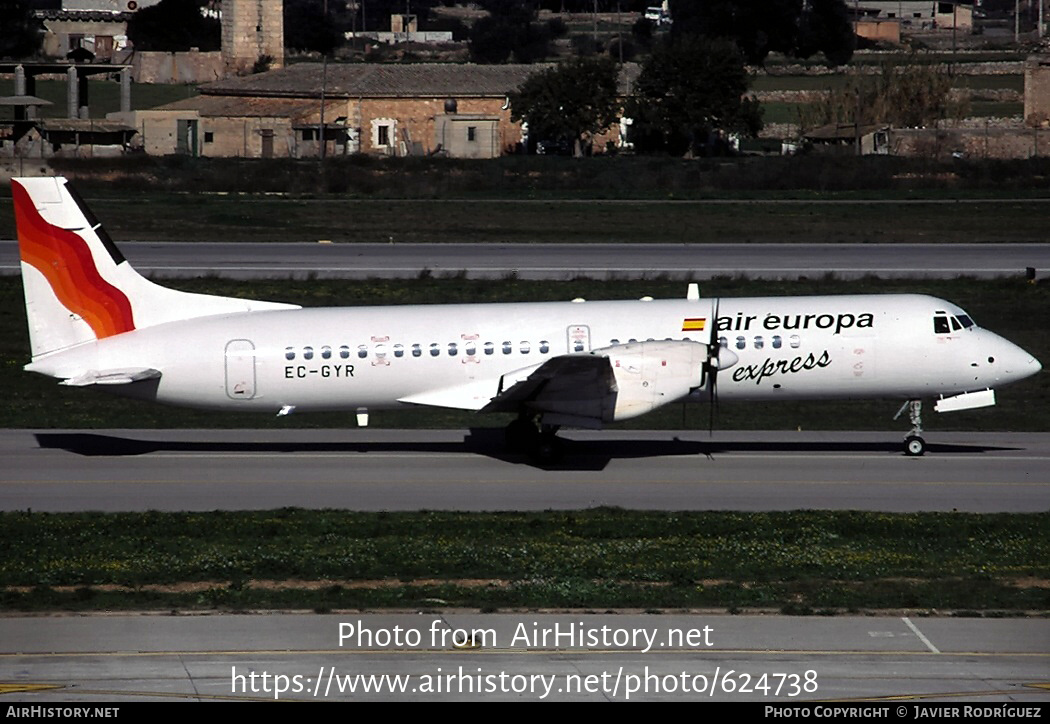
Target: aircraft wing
(585, 390)
(575, 384)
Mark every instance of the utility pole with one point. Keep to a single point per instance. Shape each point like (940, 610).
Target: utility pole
(324, 83)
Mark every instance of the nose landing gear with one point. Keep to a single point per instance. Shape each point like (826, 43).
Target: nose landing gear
(914, 444)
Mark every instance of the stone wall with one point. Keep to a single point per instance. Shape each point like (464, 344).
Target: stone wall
(989, 142)
(1037, 90)
(189, 67)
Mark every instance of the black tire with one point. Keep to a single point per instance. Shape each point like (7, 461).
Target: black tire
(521, 435)
(914, 446)
(548, 449)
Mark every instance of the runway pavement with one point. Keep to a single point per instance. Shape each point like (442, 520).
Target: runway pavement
(566, 261)
(889, 662)
(374, 469)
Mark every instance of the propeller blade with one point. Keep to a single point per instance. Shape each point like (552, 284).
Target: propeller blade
(713, 348)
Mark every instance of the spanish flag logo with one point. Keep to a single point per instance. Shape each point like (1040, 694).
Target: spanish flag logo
(694, 324)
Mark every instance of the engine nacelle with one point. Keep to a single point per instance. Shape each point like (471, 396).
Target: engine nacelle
(651, 374)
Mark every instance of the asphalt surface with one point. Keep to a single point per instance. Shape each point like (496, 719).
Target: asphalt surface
(890, 662)
(566, 261)
(373, 469)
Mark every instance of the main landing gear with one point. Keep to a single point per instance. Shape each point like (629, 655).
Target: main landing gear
(914, 444)
(527, 435)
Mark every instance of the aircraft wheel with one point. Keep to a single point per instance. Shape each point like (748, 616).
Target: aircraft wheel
(521, 435)
(548, 448)
(914, 446)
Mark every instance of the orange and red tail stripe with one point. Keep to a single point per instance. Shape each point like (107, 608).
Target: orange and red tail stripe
(66, 262)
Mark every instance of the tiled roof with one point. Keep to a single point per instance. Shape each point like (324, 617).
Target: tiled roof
(388, 80)
(249, 106)
(83, 125)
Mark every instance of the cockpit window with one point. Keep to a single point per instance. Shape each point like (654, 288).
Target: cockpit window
(965, 320)
(940, 325)
(955, 324)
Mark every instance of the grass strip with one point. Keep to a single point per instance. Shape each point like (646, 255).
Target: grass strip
(798, 562)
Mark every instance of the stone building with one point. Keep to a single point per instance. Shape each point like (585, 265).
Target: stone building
(460, 110)
(1037, 90)
(252, 32)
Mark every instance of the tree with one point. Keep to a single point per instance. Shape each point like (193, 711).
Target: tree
(509, 29)
(758, 27)
(912, 94)
(690, 92)
(572, 101)
(173, 26)
(20, 35)
(307, 28)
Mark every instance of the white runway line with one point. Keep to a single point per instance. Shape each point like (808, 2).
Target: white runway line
(918, 633)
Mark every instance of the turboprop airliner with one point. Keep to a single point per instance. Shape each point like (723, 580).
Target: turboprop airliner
(94, 321)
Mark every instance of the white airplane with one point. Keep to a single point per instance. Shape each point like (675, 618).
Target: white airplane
(93, 320)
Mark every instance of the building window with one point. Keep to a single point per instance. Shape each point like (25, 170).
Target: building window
(384, 133)
(472, 133)
(209, 137)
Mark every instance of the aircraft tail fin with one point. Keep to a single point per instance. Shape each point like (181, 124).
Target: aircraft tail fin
(78, 286)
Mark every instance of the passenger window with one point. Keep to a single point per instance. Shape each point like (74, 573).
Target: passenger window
(741, 343)
(759, 342)
(435, 349)
(380, 351)
(289, 353)
(470, 349)
(399, 350)
(614, 341)
(326, 352)
(308, 352)
(525, 347)
(362, 351)
(776, 341)
(417, 351)
(723, 342)
(545, 347)
(577, 346)
(489, 348)
(452, 349)
(507, 348)
(344, 352)
(794, 340)
(940, 325)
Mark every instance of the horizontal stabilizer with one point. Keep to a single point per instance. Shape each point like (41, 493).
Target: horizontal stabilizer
(112, 377)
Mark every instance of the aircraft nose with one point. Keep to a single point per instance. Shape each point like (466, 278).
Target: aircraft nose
(1017, 364)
